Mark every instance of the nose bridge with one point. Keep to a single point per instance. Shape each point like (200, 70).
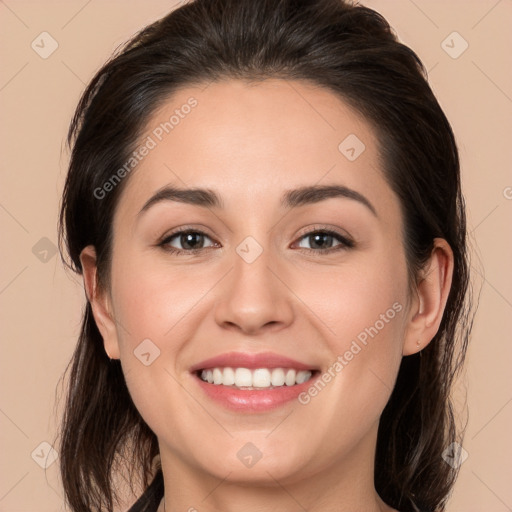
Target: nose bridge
(252, 297)
(251, 267)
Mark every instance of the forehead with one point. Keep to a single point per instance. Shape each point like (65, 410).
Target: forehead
(251, 141)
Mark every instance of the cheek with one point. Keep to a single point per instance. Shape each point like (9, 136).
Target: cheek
(152, 302)
(148, 312)
(358, 301)
(361, 310)
(156, 312)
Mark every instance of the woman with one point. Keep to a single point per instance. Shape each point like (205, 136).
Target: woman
(264, 201)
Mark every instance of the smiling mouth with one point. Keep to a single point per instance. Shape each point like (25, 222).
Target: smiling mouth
(255, 379)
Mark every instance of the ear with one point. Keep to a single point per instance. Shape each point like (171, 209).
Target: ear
(100, 302)
(427, 308)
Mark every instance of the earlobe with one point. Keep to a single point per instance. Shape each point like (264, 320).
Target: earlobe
(432, 294)
(100, 302)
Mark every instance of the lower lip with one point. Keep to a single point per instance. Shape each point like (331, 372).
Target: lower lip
(249, 400)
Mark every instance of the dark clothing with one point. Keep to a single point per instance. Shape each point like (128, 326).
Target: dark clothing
(152, 497)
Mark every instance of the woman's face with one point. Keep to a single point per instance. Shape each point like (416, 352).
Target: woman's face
(267, 287)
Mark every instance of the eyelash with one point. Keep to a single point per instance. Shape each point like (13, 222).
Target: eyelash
(345, 243)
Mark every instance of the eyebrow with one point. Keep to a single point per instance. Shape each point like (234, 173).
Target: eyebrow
(291, 198)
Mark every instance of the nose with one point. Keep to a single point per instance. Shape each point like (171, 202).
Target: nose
(254, 297)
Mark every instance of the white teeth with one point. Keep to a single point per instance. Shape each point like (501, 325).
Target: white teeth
(217, 376)
(289, 380)
(302, 376)
(207, 376)
(259, 378)
(228, 378)
(243, 377)
(277, 377)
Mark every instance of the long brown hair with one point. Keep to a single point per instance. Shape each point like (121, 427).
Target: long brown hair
(351, 51)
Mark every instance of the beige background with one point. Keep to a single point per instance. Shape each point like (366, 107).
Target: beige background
(41, 304)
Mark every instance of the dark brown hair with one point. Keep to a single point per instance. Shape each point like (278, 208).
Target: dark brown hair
(351, 51)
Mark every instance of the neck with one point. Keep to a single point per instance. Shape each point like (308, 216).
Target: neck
(345, 486)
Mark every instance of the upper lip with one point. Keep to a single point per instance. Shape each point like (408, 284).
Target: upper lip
(251, 361)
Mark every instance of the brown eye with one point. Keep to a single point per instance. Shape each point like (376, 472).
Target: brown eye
(322, 241)
(187, 241)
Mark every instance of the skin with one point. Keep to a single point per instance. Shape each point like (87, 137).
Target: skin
(250, 143)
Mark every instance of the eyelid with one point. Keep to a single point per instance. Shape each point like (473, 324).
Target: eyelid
(164, 240)
(324, 228)
(198, 228)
